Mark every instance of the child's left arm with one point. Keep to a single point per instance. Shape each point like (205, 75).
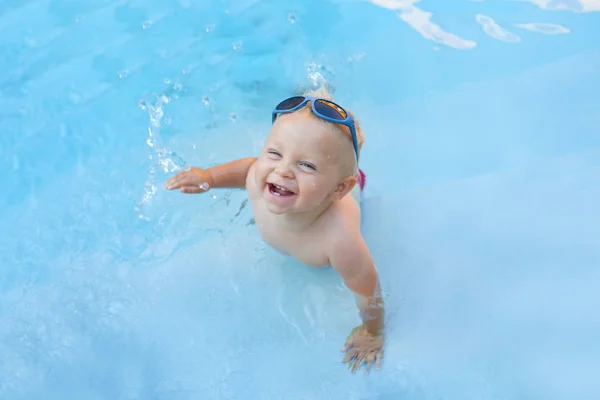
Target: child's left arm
(350, 257)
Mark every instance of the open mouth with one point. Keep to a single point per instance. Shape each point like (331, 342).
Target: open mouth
(280, 191)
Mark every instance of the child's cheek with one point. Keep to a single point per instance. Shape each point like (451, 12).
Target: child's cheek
(311, 183)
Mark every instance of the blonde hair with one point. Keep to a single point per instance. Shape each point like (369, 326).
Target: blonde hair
(323, 93)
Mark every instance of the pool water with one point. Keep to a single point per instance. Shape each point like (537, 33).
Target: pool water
(482, 158)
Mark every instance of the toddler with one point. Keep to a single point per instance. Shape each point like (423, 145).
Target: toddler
(304, 189)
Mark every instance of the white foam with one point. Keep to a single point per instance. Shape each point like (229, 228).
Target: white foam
(420, 21)
(568, 5)
(544, 28)
(494, 30)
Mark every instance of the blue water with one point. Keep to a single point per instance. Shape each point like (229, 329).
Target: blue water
(483, 161)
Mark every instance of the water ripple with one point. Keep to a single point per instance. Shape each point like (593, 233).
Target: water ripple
(496, 31)
(544, 28)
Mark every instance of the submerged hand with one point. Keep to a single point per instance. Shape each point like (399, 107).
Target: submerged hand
(195, 180)
(363, 347)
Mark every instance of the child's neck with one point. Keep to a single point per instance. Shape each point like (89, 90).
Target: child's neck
(304, 220)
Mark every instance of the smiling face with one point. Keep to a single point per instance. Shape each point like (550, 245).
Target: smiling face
(304, 164)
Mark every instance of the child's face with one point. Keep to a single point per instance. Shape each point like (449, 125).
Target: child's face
(304, 163)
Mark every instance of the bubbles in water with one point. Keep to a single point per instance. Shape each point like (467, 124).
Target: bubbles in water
(319, 74)
(164, 159)
(205, 100)
(232, 117)
(204, 186)
(146, 24)
(167, 81)
(168, 120)
(210, 28)
(291, 18)
(123, 74)
(177, 86)
(237, 46)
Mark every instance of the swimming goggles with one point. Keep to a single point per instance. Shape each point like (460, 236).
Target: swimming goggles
(322, 108)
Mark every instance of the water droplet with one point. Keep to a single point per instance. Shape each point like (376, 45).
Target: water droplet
(210, 28)
(214, 196)
(168, 120)
(146, 24)
(205, 100)
(232, 117)
(177, 86)
(123, 74)
(142, 104)
(291, 18)
(237, 46)
(204, 186)
(193, 147)
(167, 81)
(150, 143)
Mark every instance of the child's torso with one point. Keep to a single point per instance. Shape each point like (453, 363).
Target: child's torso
(307, 246)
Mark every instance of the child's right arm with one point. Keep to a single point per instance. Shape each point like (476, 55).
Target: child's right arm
(229, 175)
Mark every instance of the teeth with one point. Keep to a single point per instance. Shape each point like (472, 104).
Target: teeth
(279, 191)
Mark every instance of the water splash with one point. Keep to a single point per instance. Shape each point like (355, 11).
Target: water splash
(161, 158)
(319, 75)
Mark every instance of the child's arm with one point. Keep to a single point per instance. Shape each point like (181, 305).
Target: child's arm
(354, 263)
(350, 257)
(229, 175)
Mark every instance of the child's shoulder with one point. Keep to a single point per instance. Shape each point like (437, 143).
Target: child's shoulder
(342, 223)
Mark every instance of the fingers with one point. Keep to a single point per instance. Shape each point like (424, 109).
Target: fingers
(357, 363)
(349, 343)
(191, 189)
(349, 356)
(187, 182)
(370, 361)
(175, 182)
(378, 358)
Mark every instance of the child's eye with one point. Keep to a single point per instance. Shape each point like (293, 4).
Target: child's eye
(308, 165)
(274, 153)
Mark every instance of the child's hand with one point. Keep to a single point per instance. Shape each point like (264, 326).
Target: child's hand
(363, 347)
(195, 180)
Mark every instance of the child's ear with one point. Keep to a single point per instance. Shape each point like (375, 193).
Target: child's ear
(344, 187)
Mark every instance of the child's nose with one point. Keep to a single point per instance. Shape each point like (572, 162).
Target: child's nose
(284, 172)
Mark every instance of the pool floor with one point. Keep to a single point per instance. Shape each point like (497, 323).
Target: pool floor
(482, 157)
